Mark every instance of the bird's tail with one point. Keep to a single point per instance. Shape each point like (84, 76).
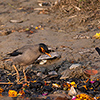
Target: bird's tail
(6, 59)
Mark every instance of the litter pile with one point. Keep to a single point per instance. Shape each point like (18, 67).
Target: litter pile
(74, 83)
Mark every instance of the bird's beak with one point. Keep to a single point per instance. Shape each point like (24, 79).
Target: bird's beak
(48, 54)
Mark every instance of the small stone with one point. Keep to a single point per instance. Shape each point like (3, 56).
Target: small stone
(16, 21)
(52, 73)
(39, 74)
(73, 66)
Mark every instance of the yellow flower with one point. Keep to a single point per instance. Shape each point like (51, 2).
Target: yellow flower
(97, 35)
(12, 93)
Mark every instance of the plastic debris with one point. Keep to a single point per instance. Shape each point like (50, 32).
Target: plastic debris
(56, 85)
(53, 55)
(92, 81)
(91, 72)
(72, 91)
(73, 98)
(45, 93)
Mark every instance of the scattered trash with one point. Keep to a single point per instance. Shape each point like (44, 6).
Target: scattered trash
(30, 31)
(72, 91)
(53, 55)
(83, 97)
(56, 85)
(73, 98)
(39, 27)
(45, 93)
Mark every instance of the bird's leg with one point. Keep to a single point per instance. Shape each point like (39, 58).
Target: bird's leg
(24, 74)
(17, 73)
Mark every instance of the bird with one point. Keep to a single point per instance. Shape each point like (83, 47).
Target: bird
(98, 50)
(26, 55)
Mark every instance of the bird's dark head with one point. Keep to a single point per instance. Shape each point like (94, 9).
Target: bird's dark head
(44, 49)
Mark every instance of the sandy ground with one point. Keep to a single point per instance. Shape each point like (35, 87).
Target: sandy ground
(66, 41)
(74, 43)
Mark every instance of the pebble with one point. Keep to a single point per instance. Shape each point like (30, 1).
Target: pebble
(52, 73)
(16, 21)
(39, 74)
(73, 66)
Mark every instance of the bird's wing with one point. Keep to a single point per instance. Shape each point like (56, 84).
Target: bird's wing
(20, 50)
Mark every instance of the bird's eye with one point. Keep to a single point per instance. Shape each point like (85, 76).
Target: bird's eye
(42, 50)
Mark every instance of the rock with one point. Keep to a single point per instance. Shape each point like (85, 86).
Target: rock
(73, 66)
(52, 73)
(39, 74)
(16, 21)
